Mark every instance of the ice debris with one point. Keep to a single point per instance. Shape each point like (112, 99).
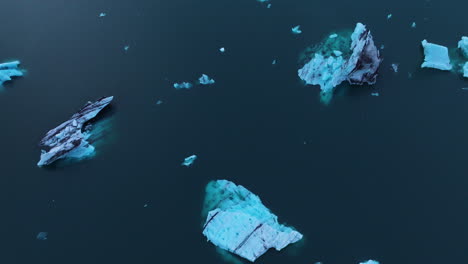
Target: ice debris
(68, 140)
(222, 50)
(189, 161)
(159, 102)
(375, 94)
(436, 56)
(357, 61)
(389, 16)
(273, 62)
(126, 48)
(296, 30)
(465, 70)
(8, 70)
(183, 85)
(269, 6)
(205, 80)
(395, 67)
(102, 14)
(413, 25)
(42, 236)
(463, 46)
(237, 221)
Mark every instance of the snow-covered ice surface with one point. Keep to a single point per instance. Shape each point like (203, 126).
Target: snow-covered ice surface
(351, 57)
(68, 140)
(435, 56)
(8, 70)
(237, 221)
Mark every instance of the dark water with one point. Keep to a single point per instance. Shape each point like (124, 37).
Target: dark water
(379, 177)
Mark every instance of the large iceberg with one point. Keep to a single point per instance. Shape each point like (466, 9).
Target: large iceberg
(68, 140)
(8, 70)
(436, 56)
(237, 221)
(346, 56)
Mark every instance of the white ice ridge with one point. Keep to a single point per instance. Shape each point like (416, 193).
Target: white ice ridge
(436, 56)
(237, 221)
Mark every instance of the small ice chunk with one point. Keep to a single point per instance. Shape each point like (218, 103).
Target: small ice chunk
(183, 85)
(395, 67)
(205, 80)
(273, 62)
(375, 94)
(382, 46)
(159, 102)
(126, 48)
(463, 45)
(465, 88)
(102, 14)
(333, 36)
(8, 70)
(222, 49)
(189, 161)
(370, 262)
(436, 56)
(296, 30)
(145, 205)
(269, 6)
(389, 16)
(42, 236)
(413, 25)
(337, 53)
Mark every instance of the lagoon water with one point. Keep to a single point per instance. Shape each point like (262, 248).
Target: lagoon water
(365, 177)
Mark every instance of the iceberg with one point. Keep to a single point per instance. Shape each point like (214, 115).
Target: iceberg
(436, 56)
(351, 57)
(463, 46)
(205, 80)
(237, 221)
(8, 70)
(183, 85)
(42, 236)
(68, 140)
(296, 30)
(189, 161)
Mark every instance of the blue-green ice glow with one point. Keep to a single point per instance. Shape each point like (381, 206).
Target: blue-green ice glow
(8, 70)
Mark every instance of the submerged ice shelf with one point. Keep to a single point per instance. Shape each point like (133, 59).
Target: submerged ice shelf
(237, 221)
(68, 140)
(347, 56)
(8, 70)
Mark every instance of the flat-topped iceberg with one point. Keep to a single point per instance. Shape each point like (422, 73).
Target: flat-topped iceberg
(68, 140)
(344, 56)
(8, 70)
(237, 221)
(436, 56)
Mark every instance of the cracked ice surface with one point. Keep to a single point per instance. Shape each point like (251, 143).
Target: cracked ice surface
(353, 58)
(8, 70)
(67, 140)
(237, 221)
(436, 56)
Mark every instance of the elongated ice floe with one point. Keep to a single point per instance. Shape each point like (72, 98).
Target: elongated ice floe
(188, 161)
(296, 30)
(8, 70)
(237, 221)
(183, 85)
(68, 140)
(347, 56)
(436, 56)
(370, 262)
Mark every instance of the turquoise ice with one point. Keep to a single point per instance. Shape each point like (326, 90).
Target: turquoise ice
(436, 56)
(237, 221)
(8, 70)
(189, 161)
(183, 85)
(296, 30)
(205, 80)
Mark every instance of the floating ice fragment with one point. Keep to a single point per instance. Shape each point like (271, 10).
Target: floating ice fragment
(126, 48)
(269, 6)
(370, 262)
(436, 56)
(465, 70)
(413, 25)
(102, 14)
(273, 62)
(205, 80)
(389, 16)
(222, 50)
(67, 140)
(333, 36)
(183, 85)
(382, 46)
(8, 70)
(463, 46)
(237, 221)
(158, 102)
(296, 30)
(395, 67)
(42, 236)
(358, 63)
(189, 161)
(375, 94)
(337, 53)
